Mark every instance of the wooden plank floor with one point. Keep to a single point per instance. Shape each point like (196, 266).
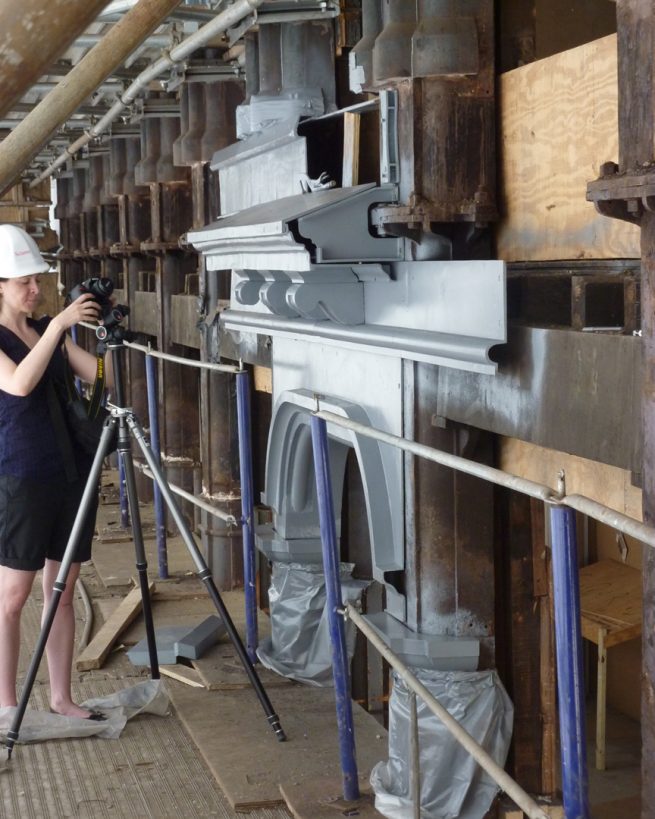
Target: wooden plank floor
(232, 733)
(225, 720)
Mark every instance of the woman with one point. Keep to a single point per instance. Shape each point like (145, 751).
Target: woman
(39, 498)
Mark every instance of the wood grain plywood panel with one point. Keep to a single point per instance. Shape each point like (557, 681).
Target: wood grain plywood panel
(559, 123)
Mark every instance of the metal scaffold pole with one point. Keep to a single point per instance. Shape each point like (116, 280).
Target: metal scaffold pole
(334, 608)
(160, 510)
(247, 512)
(570, 673)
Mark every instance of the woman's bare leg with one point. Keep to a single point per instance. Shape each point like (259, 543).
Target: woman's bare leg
(59, 648)
(15, 587)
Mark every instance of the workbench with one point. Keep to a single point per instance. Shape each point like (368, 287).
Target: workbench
(610, 607)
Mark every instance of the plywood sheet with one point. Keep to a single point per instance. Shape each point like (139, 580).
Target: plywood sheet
(606, 484)
(610, 598)
(232, 733)
(220, 669)
(558, 124)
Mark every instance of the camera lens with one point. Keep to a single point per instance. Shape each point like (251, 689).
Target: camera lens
(103, 287)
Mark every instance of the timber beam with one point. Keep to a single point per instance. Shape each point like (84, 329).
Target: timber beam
(628, 191)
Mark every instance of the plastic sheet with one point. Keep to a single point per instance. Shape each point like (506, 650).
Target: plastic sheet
(299, 646)
(147, 697)
(453, 785)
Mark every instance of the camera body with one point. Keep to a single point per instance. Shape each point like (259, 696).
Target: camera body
(101, 290)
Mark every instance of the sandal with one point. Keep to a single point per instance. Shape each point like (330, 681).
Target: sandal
(95, 715)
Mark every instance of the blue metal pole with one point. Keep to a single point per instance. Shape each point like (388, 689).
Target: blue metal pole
(334, 604)
(247, 512)
(160, 511)
(570, 677)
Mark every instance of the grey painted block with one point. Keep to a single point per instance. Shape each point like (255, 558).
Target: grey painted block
(179, 641)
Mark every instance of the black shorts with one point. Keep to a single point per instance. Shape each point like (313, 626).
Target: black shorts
(36, 518)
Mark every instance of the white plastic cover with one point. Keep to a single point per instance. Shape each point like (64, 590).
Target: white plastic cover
(147, 697)
(299, 645)
(453, 785)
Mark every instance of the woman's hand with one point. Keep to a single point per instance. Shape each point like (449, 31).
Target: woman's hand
(84, 308)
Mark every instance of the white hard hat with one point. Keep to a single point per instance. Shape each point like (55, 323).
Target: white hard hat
(19, 254)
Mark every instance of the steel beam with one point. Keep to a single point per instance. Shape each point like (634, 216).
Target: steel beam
(34, 34)
(28, 138)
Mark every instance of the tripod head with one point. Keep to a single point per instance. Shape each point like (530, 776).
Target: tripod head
(111, 336)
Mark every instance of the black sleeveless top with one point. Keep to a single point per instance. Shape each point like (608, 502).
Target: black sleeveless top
(28, 443)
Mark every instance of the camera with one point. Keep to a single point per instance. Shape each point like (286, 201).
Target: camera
(101, 290)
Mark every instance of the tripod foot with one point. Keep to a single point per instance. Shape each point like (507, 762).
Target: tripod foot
(274, 722)
(12, 736)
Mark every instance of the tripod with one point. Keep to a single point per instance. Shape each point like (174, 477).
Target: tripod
(128, 425)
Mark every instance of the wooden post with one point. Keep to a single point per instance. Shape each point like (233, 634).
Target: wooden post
(628, 192)
(648, 478)
(351, 129)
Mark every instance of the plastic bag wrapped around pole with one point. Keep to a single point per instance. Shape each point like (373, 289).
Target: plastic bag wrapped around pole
(453, 785)
(299, 645)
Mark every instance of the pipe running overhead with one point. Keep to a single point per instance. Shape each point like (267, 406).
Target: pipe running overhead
(223, 21)
(33, 35)
(116, 9)
(27, 139)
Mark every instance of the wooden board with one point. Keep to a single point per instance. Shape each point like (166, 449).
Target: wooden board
(628, 807)
(96, 652)
(559, 123)
(608, 485)
(232, 734)
(182, 674)
(323, 799)
(351, 133)
(610, 597)
(508, 810)
(263, 378)
(220, 669)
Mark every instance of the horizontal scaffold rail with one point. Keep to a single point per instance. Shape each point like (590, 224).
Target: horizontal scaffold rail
(189, 362)
(598, 511)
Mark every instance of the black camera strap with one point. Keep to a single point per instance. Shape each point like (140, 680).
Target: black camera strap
(97, 393)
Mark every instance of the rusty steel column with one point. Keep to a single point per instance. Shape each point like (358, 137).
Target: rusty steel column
(627, 191)
(33, 35)
(33, 132)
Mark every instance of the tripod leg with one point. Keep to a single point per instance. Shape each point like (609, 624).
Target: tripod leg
(59, 585)
(125, 454)
(205, 575)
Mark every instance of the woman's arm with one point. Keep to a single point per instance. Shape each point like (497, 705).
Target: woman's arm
(20, 379)
(85, 364)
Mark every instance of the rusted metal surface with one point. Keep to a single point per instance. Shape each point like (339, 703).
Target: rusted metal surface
(523, 641)
(627, 191)
(523, 399)
(170, 210)
(184, 320)
(33, 35)
(223, 546)
(178, 385)
(446, 119)
(449, 520)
